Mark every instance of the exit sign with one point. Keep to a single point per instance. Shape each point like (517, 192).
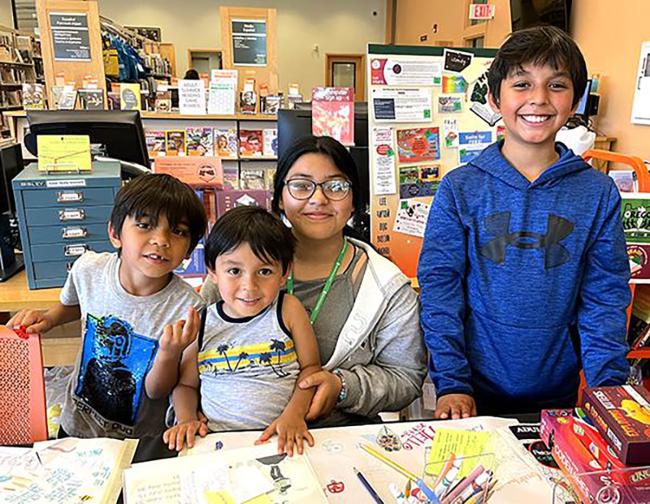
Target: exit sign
(481, 11)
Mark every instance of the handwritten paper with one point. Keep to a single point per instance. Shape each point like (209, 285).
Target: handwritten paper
(466, 445)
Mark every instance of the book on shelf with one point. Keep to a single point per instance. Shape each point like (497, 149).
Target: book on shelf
(199, 141)
(67, 99)
(91, 99)
(33, 96)
(248, 97)
(332, 113)
(130, 96)
(175, 142)
(155, 140)
(251, 143)
(270, 138)
(226, 144)
(292, 100)
(252, 178)
(230, 176)
(163, 102)
(271, 104)
(622, 416)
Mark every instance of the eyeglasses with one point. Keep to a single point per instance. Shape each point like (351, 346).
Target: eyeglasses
(333, 189)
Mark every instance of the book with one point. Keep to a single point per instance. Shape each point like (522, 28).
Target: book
(230, 176)
(91, 99)
(163, 102)
(227, 200)
(271, 104)
(252, 178)
(33, 96)
(332, 113)
(200, 171)
(199, 142)
(155, 140)
(270, 140)
(251, 143)
(65, 470)
(226, 144)
(130, 98)
(248, 102)
(175, 142)
(622, 416)
(194, 265)
(67, 98)
(255, 474)
(292, 100)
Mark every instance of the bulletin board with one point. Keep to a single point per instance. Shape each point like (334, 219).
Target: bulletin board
(428, 114)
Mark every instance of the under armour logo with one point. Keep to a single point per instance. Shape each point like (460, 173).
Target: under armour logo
(557, 229)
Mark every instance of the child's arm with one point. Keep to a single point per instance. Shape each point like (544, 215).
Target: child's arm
(602, 301)
(41, 321)
(441, 271)
(290, 426)
(185, 399)
(176, 337)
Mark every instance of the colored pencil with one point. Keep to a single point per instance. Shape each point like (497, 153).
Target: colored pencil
(368, 486)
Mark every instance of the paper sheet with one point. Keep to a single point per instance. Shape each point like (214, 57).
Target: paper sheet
(464, 444)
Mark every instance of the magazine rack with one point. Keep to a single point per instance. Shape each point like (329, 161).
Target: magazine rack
(23, 415)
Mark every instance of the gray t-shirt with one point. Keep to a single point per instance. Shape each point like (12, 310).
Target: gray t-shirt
(336, 307)
(120, 333)
(248, 368)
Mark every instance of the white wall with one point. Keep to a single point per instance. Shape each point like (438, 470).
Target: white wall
(336, 26)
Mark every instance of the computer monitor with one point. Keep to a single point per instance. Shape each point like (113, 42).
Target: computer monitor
(295, 124)
(120, 132)
(11, 164)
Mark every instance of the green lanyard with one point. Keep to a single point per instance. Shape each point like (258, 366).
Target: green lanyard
(326, 287)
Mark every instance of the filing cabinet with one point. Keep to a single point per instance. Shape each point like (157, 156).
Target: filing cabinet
(61, 215)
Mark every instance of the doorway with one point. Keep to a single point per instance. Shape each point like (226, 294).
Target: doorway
(347, 70)
(204, 60)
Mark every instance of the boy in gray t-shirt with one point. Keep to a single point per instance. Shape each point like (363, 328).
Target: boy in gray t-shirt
(131, 307)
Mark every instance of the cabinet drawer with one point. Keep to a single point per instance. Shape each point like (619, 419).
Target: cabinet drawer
(67, 233)
(68, 197)
(68, 215)
(67, 251)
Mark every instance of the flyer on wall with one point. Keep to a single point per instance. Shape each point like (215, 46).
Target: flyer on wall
(401, 104)
(384, 160)
(393, 72)
(419, 144)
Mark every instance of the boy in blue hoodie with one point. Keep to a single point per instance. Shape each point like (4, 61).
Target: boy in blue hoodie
(523, 270)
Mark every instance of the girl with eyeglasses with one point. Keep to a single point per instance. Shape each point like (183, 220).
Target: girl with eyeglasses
(363, 309)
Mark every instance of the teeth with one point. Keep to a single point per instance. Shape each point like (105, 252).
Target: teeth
(535, 118)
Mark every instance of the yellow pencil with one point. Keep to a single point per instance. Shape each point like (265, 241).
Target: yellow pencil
(389, 462)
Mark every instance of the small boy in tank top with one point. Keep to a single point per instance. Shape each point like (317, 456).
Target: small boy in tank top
(254, 343)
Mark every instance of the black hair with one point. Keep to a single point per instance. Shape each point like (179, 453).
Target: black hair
(192, 74)
(539, 45)
(152, 195)
(337, 153)
(266, 235)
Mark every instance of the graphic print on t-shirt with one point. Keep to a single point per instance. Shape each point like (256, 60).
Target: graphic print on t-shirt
(114, 362)
(257, 358)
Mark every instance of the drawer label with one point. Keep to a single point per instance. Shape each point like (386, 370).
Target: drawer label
(66, 183)
(74, 232)
(74, 250)
(74, 214)
(69, 196)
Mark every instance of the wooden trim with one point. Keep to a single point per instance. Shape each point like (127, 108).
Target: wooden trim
(391, 21)
(360, 74)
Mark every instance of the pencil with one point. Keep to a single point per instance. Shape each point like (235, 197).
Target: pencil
(407, 490)
(368, 486)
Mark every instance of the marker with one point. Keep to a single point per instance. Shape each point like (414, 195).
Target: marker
(448, 478)
(368, 486)
(464, 484)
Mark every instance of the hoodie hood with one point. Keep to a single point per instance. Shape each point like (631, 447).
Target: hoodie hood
(492, 162)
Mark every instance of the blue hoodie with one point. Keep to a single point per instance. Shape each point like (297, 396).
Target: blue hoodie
(520, 280)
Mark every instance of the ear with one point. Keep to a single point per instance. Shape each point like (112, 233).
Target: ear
(492, 101)
(212, 276)
(112, 235)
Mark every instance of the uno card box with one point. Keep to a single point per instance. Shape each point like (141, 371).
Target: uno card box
(61, 216)
(622, 416)
(227, 200)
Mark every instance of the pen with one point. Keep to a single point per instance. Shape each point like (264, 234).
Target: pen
(368, 486)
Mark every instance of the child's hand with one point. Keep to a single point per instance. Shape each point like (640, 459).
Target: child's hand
(185, 431)
(291, 430)
(179, 335)
(35, 321)
(455, 406)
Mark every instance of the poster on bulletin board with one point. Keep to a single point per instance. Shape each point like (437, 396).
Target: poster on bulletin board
(428, 114)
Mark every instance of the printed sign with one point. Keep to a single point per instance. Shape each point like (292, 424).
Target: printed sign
(249, 42)
(70, 39)
(405, 72)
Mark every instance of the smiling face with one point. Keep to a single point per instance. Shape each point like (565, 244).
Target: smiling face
(316, 218)
(535, 102)
(149, 252)
(247, 284)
